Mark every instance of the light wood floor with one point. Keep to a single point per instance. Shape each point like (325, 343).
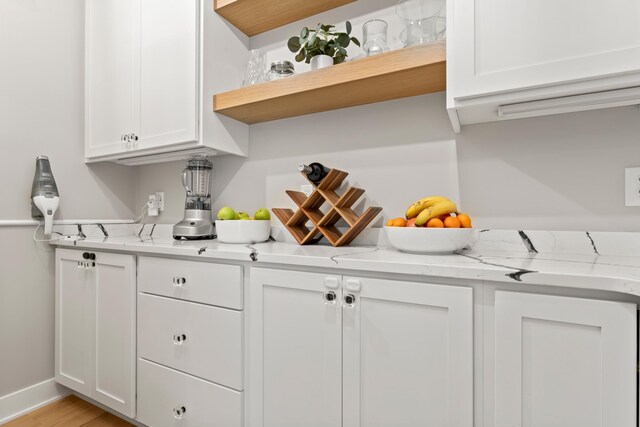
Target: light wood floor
(68, 412)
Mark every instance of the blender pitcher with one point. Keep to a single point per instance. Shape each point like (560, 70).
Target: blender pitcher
(197, 179)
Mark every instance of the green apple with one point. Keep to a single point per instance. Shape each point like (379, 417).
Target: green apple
(262, 214)
(242, 215)
(226, 214)
(245, 218)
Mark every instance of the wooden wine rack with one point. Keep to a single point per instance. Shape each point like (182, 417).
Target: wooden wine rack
(324, 224)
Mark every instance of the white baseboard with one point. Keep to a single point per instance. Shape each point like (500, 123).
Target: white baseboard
(31, 398)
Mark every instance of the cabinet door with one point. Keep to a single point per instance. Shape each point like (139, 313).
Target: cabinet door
(169, 52)
(408, 354)
(113, 347)
(112, 74)
(72, 328)
(295, 347)
(564, 361)
(501, 45)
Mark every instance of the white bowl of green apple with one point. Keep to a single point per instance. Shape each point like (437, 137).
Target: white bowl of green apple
(240, 227)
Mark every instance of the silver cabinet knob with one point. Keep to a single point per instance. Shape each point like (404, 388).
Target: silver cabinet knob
(179, 412)
(179, 282)
(179, 339)
(349, 300)
(330, 297)
(134, 137)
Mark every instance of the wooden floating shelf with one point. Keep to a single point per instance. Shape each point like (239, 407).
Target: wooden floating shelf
(253, 17)
(398, 74)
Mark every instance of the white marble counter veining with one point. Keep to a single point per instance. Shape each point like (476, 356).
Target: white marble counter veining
(568, 259)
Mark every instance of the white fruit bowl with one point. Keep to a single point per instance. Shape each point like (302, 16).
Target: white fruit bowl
(432, 241)
(243, 231)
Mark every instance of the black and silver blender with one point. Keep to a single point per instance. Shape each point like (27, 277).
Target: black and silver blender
(197, 179)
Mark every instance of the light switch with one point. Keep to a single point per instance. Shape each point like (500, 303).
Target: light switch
(632, 186)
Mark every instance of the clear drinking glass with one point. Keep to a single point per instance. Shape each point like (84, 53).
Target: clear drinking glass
(375, 37)
(425, 21)
(423, 31)
(255, 72)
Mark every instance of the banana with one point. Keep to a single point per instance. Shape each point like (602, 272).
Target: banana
(441, 208)
(422, 204)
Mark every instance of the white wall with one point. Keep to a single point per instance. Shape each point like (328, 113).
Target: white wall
(561, 172)
(41, 112)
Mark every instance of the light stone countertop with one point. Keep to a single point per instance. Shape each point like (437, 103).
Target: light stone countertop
(599, 261)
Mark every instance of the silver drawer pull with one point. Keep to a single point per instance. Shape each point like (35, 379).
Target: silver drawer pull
(179, 412)
(179, 339)
(179, 281)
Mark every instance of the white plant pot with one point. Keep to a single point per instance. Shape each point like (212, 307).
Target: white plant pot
(321, 61)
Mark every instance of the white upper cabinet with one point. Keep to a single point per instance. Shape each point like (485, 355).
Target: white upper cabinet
(147, 86)
(111, 95)
(506, 52)
(168, 72)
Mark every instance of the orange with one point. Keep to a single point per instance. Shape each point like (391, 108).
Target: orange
(399, 222)
(443, 217)
(411, 223)
(390, 223)
(435, 223)
(452, 222)
(465, 220)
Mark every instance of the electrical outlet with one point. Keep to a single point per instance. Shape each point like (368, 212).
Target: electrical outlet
(155, 203)
(160, 200)
(152, 209)
(306, 189)
(632, 186)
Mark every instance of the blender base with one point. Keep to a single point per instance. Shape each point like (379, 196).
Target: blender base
(196, 225)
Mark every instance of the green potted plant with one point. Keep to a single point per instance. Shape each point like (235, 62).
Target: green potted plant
(322, 47)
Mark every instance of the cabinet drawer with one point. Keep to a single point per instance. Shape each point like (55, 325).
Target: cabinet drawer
(215, 284)
(197, 339)
(163, 393)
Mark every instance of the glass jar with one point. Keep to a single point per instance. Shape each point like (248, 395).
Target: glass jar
(375, 37)
(280, 70)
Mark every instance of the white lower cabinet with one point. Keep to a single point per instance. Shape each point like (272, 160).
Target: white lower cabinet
(95, 326)
(198, 339)
(563, 361)
(168, 398)
(328, 350)
(295, 350)
(190, 344)
(407, 354)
